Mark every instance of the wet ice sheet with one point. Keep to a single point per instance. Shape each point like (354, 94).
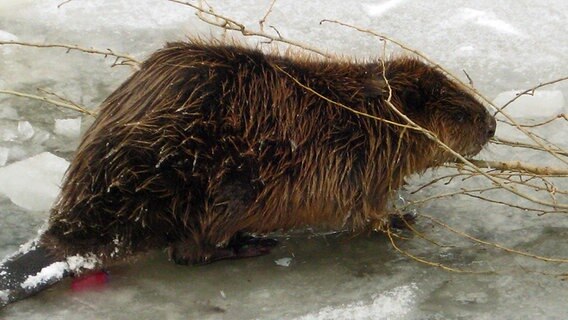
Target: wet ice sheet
(503, 45)
(43, 171)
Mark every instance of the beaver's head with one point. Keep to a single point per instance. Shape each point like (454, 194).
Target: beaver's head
(441, 105)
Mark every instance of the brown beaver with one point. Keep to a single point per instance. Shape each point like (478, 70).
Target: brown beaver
(209, 142)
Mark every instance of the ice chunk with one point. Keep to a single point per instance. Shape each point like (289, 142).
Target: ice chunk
(68, 127)
(25, 130)
(7, 36)
(8, 134)
(33, 183)
(542, 104)
(393, 304)
(4, 155)
(284, 262)
(7, 112)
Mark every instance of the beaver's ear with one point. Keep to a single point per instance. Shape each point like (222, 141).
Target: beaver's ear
(412, 99)
(374, 88)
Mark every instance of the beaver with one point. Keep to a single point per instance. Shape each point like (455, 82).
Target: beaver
(209, 144)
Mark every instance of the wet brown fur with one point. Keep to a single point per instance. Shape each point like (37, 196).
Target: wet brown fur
(208, 140)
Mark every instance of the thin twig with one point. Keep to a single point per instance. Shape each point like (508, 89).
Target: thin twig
(495, 245)
(126, 59)
(63, 3)
(230, 24)
(503, 141)
(263, 20)
(430, 263)
(54, 102)
(521, 167)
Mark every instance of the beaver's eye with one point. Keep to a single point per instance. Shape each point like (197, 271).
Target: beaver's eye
(412, 99)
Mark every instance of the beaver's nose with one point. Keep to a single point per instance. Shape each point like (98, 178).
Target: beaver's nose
(491, 126)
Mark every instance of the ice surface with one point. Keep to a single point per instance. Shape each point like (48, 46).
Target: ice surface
(68, 127)
(7, 112)
(503, 45)
(541, 104)
(378, 9)
(3, 155)
(393, 304)
(486, 19)
(33, 183)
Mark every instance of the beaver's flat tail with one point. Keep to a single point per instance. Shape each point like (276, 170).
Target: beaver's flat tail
(29, 272)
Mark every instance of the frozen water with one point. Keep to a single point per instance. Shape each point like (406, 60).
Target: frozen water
(486, 19)
(391, 305)
(542, 104)
(43, 171)
(378, 9)
(68, 127)
(283, 262)
(3, 155)
(7, 36)
(503, 46)
(7, 112)
(25, 130)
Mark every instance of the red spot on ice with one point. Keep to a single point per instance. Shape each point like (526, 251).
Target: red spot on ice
(95, 280)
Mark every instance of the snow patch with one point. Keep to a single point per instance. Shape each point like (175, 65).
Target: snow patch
(24, 248)
(78, 263)
(4, 296)
(43, 171)
(378, 9)
(68, 127)
(7, 36)
(57, 270)
(54, 271)
(489, 20)
(393, 304)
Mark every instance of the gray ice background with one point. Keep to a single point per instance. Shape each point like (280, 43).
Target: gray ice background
(503, 45)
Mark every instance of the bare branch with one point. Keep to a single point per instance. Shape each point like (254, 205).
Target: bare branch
(230, 24)
(521, 167)
(450, 74)
(495, 245)
(122, 59)
(63, 3)
(263, 20)
(66, 105)
(517, 144)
